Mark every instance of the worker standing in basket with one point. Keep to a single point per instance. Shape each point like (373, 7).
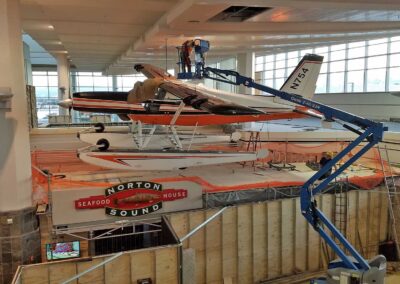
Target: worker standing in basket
(326, 158)
(186, 50)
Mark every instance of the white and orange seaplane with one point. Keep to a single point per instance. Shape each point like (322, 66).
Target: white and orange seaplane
(162, 99)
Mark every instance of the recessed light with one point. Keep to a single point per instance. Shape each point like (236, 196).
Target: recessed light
(51, 27)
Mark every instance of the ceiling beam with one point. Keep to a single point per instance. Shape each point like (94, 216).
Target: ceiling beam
(312, 4)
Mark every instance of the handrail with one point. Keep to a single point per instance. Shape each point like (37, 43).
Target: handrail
(192, 232)
(93, 267)
(17, 275)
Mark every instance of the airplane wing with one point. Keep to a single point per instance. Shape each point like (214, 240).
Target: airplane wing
(197, 98)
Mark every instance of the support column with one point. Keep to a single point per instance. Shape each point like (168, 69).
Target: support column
(19, 234)
(115, 84)
(245, 66)
(63, 80)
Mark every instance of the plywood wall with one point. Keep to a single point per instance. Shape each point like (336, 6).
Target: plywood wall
(245, 244)
(260, 241)
(161, 265)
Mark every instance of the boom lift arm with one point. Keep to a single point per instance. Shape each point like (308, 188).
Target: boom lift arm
(367, 130)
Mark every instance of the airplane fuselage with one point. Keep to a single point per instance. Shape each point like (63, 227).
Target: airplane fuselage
(115, 102)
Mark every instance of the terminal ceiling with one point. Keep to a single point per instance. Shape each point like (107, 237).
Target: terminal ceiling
(111, 35)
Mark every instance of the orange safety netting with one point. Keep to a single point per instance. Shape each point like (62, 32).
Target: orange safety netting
(59, 163)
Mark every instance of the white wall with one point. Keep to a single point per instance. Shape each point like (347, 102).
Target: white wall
(380, 106)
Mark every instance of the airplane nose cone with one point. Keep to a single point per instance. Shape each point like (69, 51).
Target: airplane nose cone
(65, 103)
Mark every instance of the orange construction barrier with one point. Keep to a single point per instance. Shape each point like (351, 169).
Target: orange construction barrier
(61, 163)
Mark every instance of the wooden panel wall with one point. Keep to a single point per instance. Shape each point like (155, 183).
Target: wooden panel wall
(254, 242)
(161, 265)
(245, 244)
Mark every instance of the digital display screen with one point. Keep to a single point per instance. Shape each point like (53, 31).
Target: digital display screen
(57, 251)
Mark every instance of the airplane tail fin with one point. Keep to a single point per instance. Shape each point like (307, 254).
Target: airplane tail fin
(303, 80)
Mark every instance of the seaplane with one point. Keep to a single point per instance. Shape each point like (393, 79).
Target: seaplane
(147, 101)
(150, 102)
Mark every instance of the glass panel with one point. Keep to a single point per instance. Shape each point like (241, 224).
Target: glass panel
(395, 59)
(38, 73)
(259, 67)
(259, 59)
(293, 54)
(268, 75)
(293, 62)
(85, 73)
(52, 73)
(119, 83)
(269, 66)
(321, 84)
(53, 81)
(356, 44)
(338, 55)
(395, 38)
(39, 80)
(85, 81)
(338, 47)
(356, 64)
(85, 89)
(355, 81)
(377, 61)
(169, 71)
(280, 56)
(377, 49)
(53, 92)
(100, 89)
(324, 67)
(377, 41)
(42, 117)
(356, 52)
(269, 83)
(337, 66)
(128, 81)
(41, 92)
(305, 51)
(395, 47)
(228, 64)
(269, 58)
(279, 73)
(280, 64)
(336, 81)
(376, 80)
(101, 81)
(394, 79)
(279, 82)
(320, 50)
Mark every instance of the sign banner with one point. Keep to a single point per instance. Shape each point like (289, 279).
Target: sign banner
(129, 199)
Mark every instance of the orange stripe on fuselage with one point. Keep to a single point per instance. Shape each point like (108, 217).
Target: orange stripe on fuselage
(211, 119)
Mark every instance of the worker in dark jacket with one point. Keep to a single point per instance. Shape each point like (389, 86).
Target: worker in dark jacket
(326, 158)
(185, 51)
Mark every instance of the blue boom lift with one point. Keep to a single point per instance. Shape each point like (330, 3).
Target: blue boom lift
(352, 268)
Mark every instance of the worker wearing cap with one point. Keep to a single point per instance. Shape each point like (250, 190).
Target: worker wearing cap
(326, 158)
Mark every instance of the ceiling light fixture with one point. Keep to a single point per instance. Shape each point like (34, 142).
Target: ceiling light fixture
(51, 27)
